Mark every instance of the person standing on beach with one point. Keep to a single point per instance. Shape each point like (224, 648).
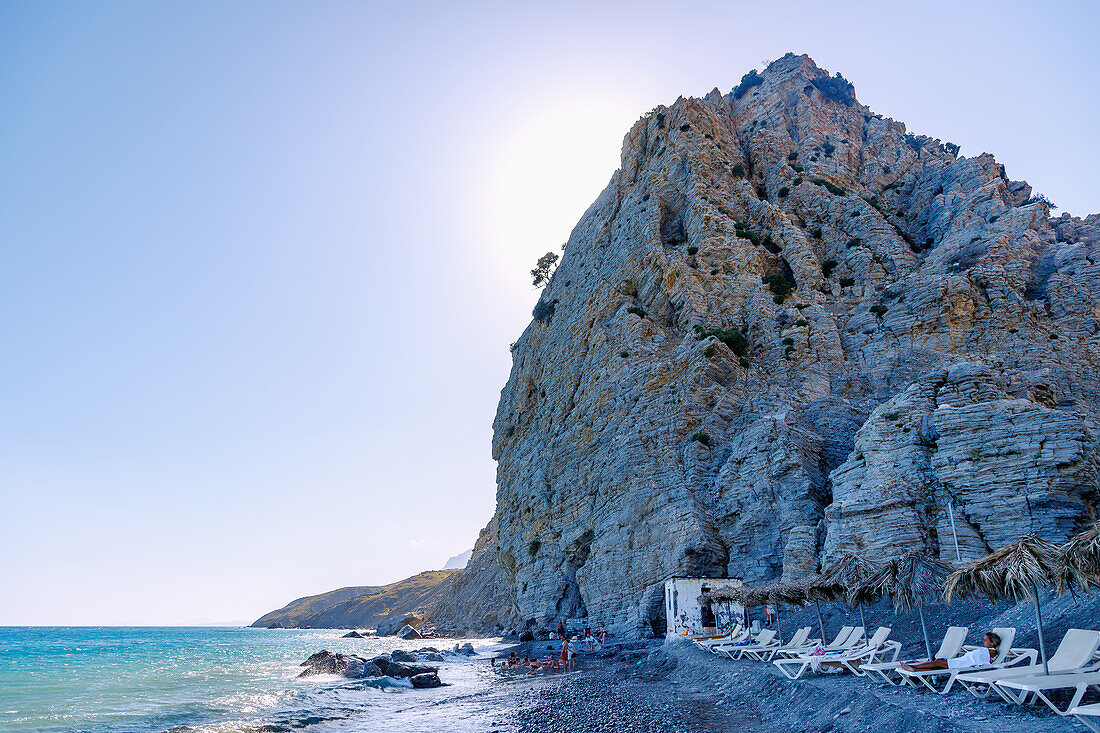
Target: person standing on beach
(561, 629)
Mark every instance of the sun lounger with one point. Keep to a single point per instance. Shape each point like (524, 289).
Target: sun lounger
(1088, 715)
(930, 678)
(851, 659)
(1019, 688)
(735, 634)
(742, 636)
(885, 671)
(846, 639)
(799, 642)
(745, 638)
(764, 640)
(1073, 655)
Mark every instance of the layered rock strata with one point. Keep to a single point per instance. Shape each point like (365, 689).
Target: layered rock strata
(787, 329)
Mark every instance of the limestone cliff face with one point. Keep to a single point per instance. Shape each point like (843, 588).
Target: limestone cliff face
(938, 344)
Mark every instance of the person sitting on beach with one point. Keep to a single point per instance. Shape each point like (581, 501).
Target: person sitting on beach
(601, 634)
(979, 657)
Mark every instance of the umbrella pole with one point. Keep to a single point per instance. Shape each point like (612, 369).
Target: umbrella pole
(778, 624)
(820, 623)
(1039, 621)
(924, 628)
(862, 619)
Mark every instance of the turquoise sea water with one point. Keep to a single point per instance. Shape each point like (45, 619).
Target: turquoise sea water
(124, 679)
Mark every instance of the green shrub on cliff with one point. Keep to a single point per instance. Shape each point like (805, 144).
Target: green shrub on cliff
(748, 81)
(836, 88)
(731, 337)
(533, 547)
(779, 284)
(701, 437)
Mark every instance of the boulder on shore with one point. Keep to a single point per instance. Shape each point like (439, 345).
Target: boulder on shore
(408, 632)
(391, 626)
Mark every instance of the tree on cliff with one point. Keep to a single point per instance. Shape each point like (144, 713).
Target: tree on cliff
(544, 268)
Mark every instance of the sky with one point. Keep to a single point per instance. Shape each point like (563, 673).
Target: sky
(261, 262)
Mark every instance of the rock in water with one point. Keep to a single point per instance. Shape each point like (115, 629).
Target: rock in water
(787, 329)
(408, 632)
(354, 666)
(326, 662)
(352, 635)
(425, 680)
(400, 655)
(400, 669)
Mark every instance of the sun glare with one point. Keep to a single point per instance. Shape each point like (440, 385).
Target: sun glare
(545, 174)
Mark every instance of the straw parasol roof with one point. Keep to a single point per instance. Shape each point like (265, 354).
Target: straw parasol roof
(838, 579)
(1015, 571)
(1079, 561)
(724, 594)
(909, 581)
(797, 592)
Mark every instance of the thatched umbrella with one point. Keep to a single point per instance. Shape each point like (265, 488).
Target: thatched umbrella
(1015, 571)
(720, 595)
(751, 597)
(773, 594)
(1079, 561)
(909, 582)
(800, 593)
(843, 575)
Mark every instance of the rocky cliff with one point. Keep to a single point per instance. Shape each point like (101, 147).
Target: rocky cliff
(787, 329)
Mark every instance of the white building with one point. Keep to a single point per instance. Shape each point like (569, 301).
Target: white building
(686, 615)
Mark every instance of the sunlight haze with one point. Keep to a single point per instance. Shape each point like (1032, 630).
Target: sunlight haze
(262, 261)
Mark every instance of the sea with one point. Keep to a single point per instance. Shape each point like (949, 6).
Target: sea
(226, 680)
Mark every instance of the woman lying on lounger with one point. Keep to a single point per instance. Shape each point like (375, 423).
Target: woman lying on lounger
(977, 658)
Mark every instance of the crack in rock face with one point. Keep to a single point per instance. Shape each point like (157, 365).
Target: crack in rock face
(787, 329)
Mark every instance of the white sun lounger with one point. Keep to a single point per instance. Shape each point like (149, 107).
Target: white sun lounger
(734, 635)
(1088, 715)
(742, 637)
(850, 659)
(1004, 656)
(801, 641)
(884, 671)
(764, 640)
(846, 639)
(1019, 688)
(1073, 654)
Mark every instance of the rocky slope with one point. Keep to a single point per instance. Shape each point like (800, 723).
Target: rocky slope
(359, 607)
(788, 329)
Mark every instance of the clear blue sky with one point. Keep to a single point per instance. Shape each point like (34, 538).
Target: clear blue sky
(262, 261)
